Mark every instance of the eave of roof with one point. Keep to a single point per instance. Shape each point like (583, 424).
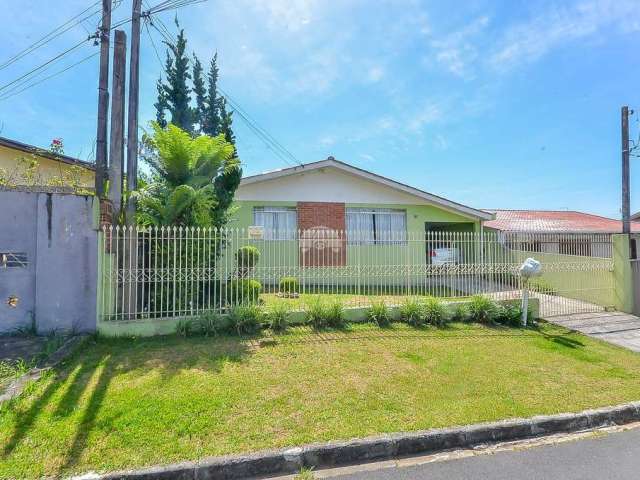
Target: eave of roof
(331, 162)
(23, 147)
(554, 221)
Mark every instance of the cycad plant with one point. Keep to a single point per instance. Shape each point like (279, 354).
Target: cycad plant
(186, 176)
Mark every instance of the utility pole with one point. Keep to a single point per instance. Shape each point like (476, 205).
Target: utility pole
(132, 114)
(116, 144)
(626, 196)
(103, 100)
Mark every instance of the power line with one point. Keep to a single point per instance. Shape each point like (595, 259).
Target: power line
(15, 91)
(48, 62)
(56, 32)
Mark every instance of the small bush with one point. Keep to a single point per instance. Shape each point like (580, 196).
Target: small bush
(211, 324)
(411, 312)
(379, 313)
(246, 319)
(460, 313)
(277, 317)
(481, 309)
(434, 312)
(289, 285)
(243, 291)
(335, 314)
(185, 328)
(247, 257)
(510, 315)
(316, 313)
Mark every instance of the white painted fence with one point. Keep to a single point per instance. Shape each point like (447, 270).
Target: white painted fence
(183, 272)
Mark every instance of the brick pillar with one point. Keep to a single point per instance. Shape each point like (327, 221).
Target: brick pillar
(322, 234)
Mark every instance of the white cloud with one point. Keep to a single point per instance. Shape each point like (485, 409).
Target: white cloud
(530, 40)
(457, 51)
(375, 74)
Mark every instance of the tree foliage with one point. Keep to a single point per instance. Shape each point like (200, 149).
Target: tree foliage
(185, 170)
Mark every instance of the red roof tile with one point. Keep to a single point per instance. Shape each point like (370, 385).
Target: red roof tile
(554, 221)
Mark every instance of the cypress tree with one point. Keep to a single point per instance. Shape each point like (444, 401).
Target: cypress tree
(176, 92)
(200, 91)
(212, 121)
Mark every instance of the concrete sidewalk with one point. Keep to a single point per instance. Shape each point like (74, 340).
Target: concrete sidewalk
(619, 328)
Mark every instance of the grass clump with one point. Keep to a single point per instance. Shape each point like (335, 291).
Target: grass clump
(411, 312)
(212, 324)
(335, 314)
(379, 313)
(185, 328)
(434, 312)
(481, 309)
(277, 317)
(246, 319)
(316, 313)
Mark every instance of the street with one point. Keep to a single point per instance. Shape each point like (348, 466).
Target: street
(609, 456)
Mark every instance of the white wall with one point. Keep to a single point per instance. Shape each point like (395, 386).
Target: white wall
(325, 185)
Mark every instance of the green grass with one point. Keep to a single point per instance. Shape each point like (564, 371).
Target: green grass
(124, 403)
(10, 371)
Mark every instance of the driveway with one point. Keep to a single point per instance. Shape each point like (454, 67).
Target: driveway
(619, 328)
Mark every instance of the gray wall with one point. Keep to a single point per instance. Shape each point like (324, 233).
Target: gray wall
(57, 289)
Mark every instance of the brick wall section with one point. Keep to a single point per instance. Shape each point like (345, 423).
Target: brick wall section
(322, 231)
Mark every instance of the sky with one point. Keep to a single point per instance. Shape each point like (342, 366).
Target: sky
(493, 104)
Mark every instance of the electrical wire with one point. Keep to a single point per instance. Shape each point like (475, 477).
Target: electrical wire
(56, 32)
(269, 140)
(17, 90)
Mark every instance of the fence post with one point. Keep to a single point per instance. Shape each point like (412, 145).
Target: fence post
(623, 279)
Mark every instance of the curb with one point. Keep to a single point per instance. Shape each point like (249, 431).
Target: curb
(16, 387)
(384, 447)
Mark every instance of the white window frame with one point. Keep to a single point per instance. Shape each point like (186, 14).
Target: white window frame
(375, 236)
(284, 228)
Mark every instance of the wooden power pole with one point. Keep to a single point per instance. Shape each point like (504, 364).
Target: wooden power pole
(116, 144)
(103, 100)
(132, 114)
(626, 195)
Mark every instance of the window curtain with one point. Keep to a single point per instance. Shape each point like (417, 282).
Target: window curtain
(279, 223)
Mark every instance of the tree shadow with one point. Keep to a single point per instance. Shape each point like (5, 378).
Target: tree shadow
(89, 374)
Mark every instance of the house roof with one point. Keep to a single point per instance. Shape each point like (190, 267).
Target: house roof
(23, 147)
(555, 222)
(635, 216)
(332, 162)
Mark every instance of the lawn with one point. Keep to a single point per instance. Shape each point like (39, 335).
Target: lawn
(123, 403)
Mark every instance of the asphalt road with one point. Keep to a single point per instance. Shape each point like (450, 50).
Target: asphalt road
(609, 457)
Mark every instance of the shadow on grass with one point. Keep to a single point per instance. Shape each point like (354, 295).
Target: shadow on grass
(89, 374)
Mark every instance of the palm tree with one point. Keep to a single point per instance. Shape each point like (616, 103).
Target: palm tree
(185, 174)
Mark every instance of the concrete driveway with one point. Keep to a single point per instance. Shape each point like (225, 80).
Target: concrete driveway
(619, 328)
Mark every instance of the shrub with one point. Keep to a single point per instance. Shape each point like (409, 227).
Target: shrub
(277, 316)
(243, 291)
(246, 319)
(185, 328)
(460, 313)
(289, 285)
(335, 314)
(411, 312)
(434, 311)
(246, 258)
(379, 313)
(316, 313)
(211, 324)
(481, 309)
(510, 315)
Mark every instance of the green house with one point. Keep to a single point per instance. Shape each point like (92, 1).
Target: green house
(331, 219)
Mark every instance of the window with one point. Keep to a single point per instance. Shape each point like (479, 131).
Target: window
(280, 223)
(13, 260)
(376, 226)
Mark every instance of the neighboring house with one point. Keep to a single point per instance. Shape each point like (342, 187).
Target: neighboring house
(327, 209)
(562, 232)
(27, 165)
(635, 216)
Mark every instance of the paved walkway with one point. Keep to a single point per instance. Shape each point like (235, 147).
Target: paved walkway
(13, 348)
(621, 329)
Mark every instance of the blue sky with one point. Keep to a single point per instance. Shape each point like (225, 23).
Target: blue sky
(511, 104)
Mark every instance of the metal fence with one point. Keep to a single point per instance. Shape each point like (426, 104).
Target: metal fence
(183, 272)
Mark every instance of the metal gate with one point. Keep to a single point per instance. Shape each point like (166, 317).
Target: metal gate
(173, 272)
